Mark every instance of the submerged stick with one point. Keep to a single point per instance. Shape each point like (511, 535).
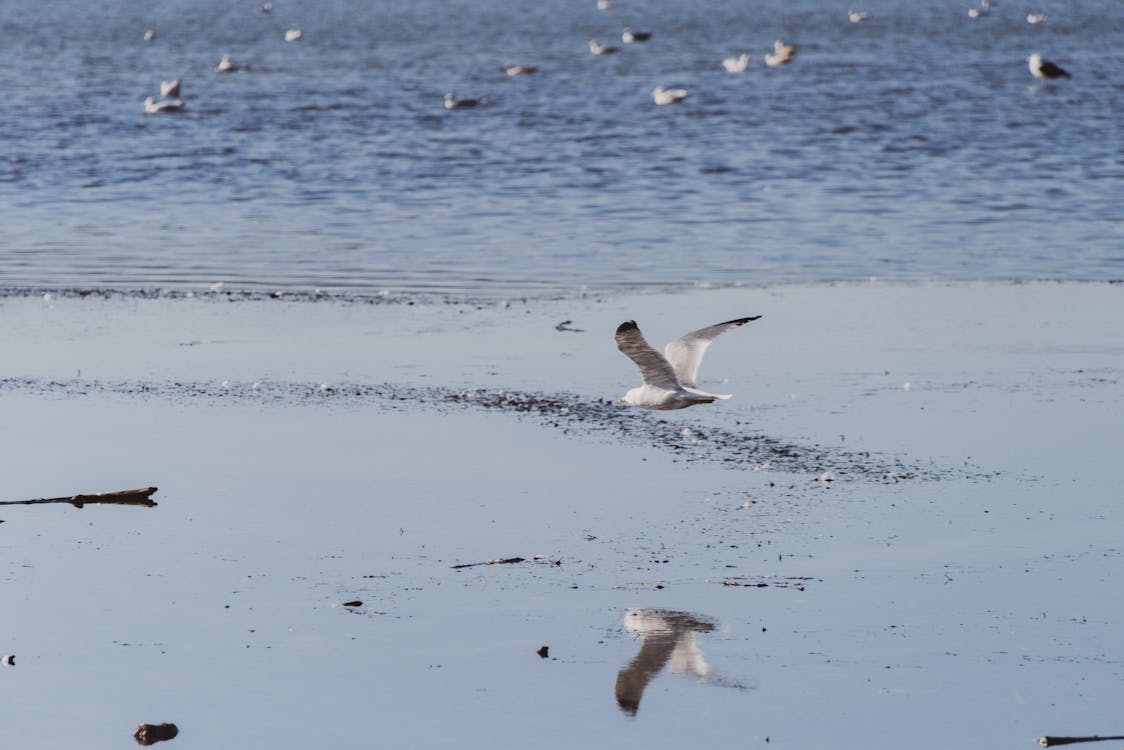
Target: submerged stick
(1053, 741)
(140, 496)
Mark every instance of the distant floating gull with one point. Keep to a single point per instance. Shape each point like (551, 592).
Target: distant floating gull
(736, 64)
(604, 4)
(668, 96)
(170, 88)
(858, 16)
(293, 35)
(519, 70)
(1035, 17)
(226, 65)
(601, 49)
(452, 102)
(149, 35)
(1045, 69)
(669, 379)
(266, 8)
(153, 107)
(628, 36)
(782, 53)
(976, 12)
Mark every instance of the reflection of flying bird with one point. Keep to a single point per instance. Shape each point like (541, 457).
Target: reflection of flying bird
(669, 379)
(668, 640)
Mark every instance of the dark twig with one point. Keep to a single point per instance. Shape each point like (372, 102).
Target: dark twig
(499, 561)
(1054, 741)
(140, 496)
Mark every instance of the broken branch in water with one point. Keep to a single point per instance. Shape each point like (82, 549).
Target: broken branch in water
(1054, 741)
(498, 561)
(140, 496)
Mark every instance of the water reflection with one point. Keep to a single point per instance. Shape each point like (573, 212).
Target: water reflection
(669, 639)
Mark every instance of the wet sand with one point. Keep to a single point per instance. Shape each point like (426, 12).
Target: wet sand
(952, 584)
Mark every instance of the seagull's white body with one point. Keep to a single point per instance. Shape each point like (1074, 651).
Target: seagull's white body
(1033, 18)
(736, 64)
(604, 4)
(670, 378)
(149, 35)
(660, 95)
(601, 49)
(293, 35)
(858, 16)
(976, 12)
(153, 107)
(170, 88)
(520, 70)
(1044, 69)
(226, 65)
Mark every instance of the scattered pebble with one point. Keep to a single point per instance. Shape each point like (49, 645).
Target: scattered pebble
(353, 604)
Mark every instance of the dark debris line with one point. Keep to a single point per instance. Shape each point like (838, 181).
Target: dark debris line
(565, 411)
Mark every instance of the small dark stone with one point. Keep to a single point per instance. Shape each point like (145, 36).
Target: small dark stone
(544, 651)
(355, 603)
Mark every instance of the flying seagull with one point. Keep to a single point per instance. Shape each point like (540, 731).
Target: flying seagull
(669, 379)
(1040, 68)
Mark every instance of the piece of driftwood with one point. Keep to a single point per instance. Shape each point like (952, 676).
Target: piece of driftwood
(499, 561)
(140, 496)
(150, 734)
(1055, 741)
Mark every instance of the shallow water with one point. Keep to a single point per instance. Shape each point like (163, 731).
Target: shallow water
(968, 606)
(913, 146)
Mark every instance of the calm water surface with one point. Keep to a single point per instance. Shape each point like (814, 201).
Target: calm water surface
(912, 146)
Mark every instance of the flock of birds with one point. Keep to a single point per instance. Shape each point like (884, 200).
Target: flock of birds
(782, 54)
(169, 100)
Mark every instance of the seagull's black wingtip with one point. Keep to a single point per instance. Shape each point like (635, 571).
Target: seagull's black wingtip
(628, 325)
(742, 321)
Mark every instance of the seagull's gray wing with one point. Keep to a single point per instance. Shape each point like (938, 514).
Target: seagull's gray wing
(656, 370)
(686, 352)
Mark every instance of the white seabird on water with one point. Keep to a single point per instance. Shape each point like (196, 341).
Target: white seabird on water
(170, 89)
(601, 49)
(628, 36)
(266, 7)
(226, 65)
(604, 4)
(670, 378)
(1045, 69)
(782, 54)
(153, 107)
(149, 35)
(858, 16)
(977, 12)
(1034, 18)
(736, 64)
(452, 102)
(519, 70)
(660, 95)
(293, 35)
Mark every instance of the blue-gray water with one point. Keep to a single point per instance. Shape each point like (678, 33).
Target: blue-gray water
(912, 146)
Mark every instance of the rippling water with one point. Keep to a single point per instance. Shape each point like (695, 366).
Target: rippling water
(913, 146)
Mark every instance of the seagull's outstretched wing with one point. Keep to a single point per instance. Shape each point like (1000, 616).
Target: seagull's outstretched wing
(656, 370)
(686, 352)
